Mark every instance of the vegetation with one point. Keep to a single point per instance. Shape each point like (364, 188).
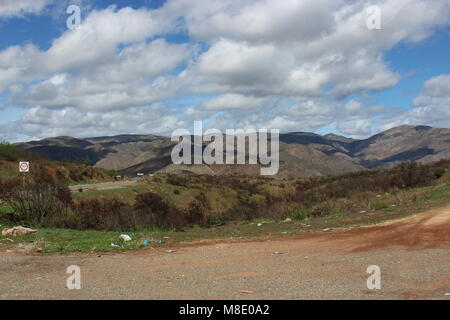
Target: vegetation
(45, 171)
(54, 240)
(10, 153)
(209, 201)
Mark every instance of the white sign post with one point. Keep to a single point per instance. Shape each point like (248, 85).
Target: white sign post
(24, 166)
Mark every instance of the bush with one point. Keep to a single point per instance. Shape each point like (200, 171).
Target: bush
(302, 214)
(439, 173)
(178, 180)
(380, 204)
(157, 213)
(197, 213)
(102, 214)
(38, 204)
(216, 220)
(11, 153)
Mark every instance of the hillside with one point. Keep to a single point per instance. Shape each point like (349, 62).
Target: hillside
(302, 154)
(45, 170)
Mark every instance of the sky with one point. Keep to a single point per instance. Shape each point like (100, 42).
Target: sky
(154, 66)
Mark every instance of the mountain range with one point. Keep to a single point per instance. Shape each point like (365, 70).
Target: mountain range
(302, 154)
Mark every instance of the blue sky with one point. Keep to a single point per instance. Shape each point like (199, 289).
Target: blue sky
(152, 66)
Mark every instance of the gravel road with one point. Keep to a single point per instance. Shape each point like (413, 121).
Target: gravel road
(413, 254)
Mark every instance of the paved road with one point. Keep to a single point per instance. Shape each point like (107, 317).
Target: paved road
(103, 186)
(413, 254)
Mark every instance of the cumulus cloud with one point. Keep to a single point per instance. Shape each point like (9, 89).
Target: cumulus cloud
(288, 64)
(40, 121)
(17, 8)
(431, 107)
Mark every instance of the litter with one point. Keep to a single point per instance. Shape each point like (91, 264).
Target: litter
(114, 245)
(145, 242)
(18, 231)
(125, 237)
(288, 220)
(277, 252)
(259, 224)
(247, 292)
(327, 229)
(170, 251)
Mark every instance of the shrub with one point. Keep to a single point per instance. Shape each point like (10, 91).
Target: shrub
(439, 173)
(216, 220)
(177, 180)
(38, 204)
(302, 214)
(197, 212)
(380, 204)
(102, 214)
(11, 153)
(156, 212)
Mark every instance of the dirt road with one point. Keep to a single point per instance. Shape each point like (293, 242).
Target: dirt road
(413, 254)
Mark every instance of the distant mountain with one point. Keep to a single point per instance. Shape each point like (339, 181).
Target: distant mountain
(302, 154)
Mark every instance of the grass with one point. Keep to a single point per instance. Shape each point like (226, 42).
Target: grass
(65, 241)
(380, 204)
(126, 194)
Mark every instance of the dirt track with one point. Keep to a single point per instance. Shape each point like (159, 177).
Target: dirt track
(413, 254)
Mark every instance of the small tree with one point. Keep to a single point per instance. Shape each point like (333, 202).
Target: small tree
(38, 204)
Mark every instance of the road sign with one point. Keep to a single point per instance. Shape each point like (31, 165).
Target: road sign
(24, 166)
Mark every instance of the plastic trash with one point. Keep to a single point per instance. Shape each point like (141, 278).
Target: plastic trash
(170, 251)
(145, 242)
(18, 231)
(125, 237)
(114, 245)
(277, 252)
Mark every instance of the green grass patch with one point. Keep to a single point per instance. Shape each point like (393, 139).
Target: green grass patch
(380, 204)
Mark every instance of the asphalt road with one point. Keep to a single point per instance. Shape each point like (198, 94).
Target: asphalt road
(412, 253)
(103, 186)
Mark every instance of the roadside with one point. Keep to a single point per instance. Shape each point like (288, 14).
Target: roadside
(318, 265)
(65, 240)
(103, 185)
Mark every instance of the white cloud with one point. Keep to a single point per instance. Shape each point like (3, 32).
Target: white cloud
(43, 122)
(17, 8)
(432, 107)
(286, 63)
